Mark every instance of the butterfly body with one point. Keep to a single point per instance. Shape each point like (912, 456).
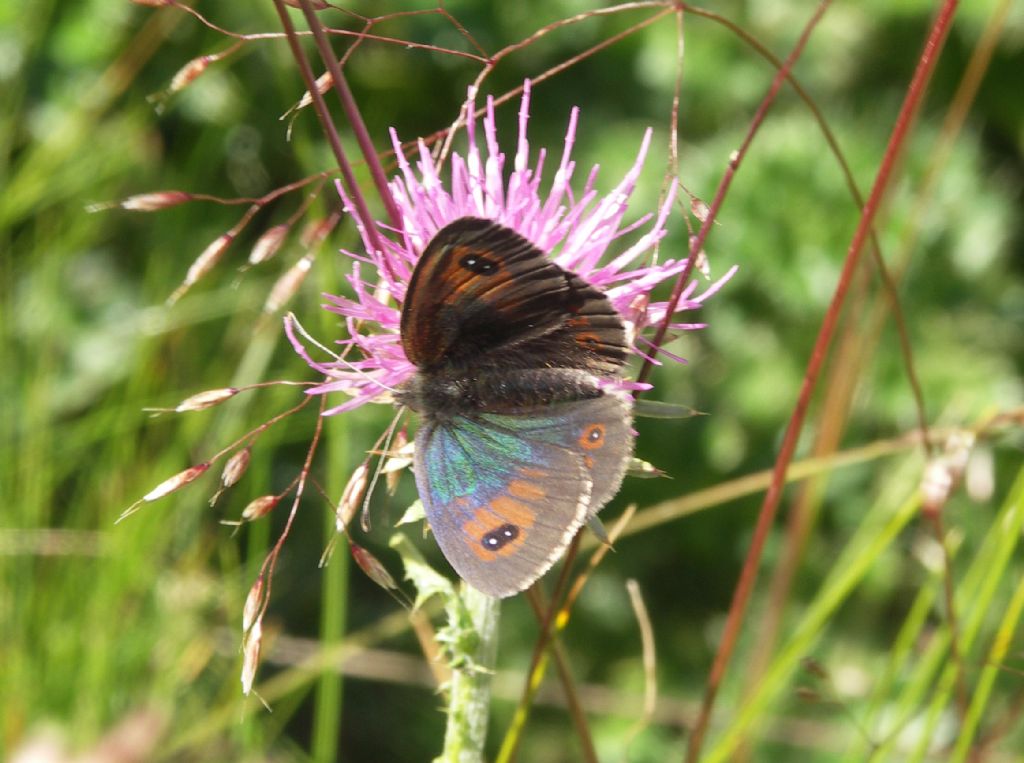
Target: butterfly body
(521, 436)
(439, 396)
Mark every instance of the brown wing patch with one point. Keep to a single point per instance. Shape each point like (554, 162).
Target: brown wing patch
(480, 288)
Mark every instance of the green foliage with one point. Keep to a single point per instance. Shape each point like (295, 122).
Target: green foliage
(99, 623)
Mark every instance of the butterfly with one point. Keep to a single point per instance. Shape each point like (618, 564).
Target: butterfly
(521, 438)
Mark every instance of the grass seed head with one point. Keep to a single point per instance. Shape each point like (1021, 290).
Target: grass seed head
(267, 245)
(150, 202)
(352, 496)
(287, 285)
(206, 399)
(372, 566)
(251, 643)
(253, 605)
(176, 482)
(187, 74)
(260, 507)
(235, 467)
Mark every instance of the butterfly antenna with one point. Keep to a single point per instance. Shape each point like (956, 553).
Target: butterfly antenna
(309, 337)
(340, 359)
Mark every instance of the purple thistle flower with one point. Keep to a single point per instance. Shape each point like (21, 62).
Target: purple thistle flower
(575, 230)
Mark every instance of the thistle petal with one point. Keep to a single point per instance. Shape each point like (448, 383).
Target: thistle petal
(577, 229)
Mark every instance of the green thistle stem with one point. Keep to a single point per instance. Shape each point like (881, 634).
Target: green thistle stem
(470, 696)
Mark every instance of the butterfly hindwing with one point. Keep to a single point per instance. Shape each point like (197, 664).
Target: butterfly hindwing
(504, 494)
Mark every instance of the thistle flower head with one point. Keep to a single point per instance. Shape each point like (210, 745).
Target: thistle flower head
(577, 229)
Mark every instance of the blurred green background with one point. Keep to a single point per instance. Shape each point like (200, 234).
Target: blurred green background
(104, 626)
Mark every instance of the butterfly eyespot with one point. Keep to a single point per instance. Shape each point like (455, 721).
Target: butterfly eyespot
(478, 264)
(500, 537)
(588, 339)
(592, 437)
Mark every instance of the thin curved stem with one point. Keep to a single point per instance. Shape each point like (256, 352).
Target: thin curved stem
(744, 588)
(355, 117)
(348, 177)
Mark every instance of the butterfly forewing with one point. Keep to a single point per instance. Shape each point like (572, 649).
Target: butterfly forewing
(481, 290)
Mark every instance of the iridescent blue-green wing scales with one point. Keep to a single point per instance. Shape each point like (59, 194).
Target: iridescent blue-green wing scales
(504, 494)
(502, 508)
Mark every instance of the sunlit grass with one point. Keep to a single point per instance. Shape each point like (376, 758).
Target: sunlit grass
(100, 622)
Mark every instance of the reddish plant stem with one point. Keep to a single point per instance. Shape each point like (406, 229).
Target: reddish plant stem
(572, 699)
(252, 434)
(723, 187)
(270, 561)
(744, 588)
(888, 282)
(355, 118)
(547, 631)
(360, 36)
(855, 347)
(962, 698)
(448, 133)
(556, 619)
(351, 186)
(745, 585)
